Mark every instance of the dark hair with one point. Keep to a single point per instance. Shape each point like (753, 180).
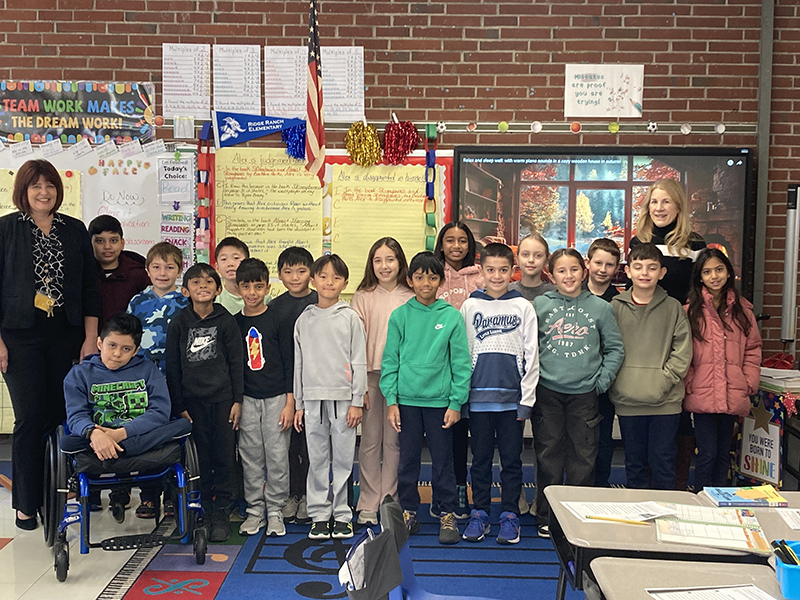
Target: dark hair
(252, 269)
(498, 251)
(427, 262)
(295, 255)
(201, 270)
(606, 244)
(469, 257)
(561, 253)
(123, 324)
(339, 266)
(165, 251)
(27, 175)
(370, 280)
(105, 223)
(646, 252)
(697, 319)
(233, 242)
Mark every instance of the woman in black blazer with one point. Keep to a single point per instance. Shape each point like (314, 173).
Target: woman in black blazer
(49, 307)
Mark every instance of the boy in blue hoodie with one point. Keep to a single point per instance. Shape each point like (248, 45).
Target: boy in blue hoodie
(117, 401)
(425, 379)
(503, 340)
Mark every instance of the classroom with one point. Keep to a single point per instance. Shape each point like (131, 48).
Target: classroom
(192, 121)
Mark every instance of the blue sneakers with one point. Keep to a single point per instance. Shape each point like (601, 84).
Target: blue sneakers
(478, 526)
(509, 528)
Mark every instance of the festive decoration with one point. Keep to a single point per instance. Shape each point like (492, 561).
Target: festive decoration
(613, 127)
(719, 128)
(575, 127)
(441, 126)
(686, 129)
(400, 139)
(295, 140)
(502, 126)
(363, 144)
(652, 127)
(536, 126)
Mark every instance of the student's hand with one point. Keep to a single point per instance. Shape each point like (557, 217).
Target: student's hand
(354, 414)
(236, 412)
(393, 414)
(3, 357)
(117, 435)
(451, 417)
(287, 416)
(366, 401)
(104, 447)
(185, 415)
(298, 420)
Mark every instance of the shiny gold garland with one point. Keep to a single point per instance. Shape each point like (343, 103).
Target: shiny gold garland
(363, 144)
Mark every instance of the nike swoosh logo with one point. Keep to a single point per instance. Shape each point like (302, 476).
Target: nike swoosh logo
(195, 347)
(439, 326)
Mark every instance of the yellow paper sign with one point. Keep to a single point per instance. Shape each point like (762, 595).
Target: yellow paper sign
(72, 192)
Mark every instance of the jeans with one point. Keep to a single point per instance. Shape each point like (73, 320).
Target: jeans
(649, 442)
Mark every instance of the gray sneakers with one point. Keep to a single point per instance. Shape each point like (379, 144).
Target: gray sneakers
(252, 525)
(275, 526)
(289, 510)
(367, 517)
(301, 517)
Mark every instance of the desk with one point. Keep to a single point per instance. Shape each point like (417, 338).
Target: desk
(628, 578)
(577, 543)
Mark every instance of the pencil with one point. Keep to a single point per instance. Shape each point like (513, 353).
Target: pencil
(616, 520)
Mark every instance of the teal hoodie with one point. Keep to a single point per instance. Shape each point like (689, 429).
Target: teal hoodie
(426, 361)
(580, 348)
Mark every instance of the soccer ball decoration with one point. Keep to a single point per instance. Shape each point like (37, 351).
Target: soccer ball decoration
(652, 127)
(441, 127)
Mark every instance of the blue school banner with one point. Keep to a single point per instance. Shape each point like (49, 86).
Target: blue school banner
(236, 128)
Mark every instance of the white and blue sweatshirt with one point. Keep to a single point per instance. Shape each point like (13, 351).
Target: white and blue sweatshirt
(503, 340)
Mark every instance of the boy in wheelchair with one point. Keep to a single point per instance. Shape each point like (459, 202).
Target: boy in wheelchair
(118, 403)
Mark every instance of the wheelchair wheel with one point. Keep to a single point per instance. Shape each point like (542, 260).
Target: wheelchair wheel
(55, 478)
(200, 545)
(61, 552)
(192, 467)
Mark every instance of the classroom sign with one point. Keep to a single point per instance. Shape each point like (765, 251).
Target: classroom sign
(760, 451)
(42, 111)
(603, 91)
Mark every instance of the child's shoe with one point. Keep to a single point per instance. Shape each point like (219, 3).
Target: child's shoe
(435, 511)
(342, 530)
(275, 526)
(289, 510)
(367, 517)
(252, 525)
(146, 510)
(509, 528)
(543, 531)
(220, 526)
(477, 527)
(410, 519)
(524, 507)
(448, 532)
(320, 530)
(301, 517)
(462, 506)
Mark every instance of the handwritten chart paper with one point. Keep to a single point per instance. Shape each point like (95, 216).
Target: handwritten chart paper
(237, 79)
(343, 82)
(72, 192)
(269, 201)
(367, 204)
(186, 70)
(603, 90)
(285, 79)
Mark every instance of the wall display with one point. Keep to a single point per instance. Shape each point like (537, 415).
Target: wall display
(237, 78)
(613, 91)
(186, 73)
(41, 111)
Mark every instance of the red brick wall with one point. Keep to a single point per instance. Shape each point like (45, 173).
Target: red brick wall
(467, 60)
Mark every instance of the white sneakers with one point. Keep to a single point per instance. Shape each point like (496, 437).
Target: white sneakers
(252, 525)
(275, 526)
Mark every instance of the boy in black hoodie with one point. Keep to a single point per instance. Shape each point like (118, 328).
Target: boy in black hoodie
(205, 370)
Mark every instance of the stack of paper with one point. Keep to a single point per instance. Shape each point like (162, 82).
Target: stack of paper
(780, 380)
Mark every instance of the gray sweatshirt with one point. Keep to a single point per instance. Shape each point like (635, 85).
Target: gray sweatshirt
(330, 355)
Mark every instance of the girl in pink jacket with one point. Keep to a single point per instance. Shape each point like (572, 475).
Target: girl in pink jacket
(725, 367)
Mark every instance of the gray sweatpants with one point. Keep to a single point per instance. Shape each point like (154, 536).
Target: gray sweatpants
(327, 420)
(262, 445)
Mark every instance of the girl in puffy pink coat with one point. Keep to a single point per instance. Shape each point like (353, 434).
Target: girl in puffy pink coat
(725, 367)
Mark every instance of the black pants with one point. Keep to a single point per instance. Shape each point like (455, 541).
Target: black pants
(298, 464)
(38, 360)
(605, 443)
(565, 441)
(502, 429)
(460, 448)
(416, 423)
(713, 433)
(216, 451)
(137, 444)
(650, 450)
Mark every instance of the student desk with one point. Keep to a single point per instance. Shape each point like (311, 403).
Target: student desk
(628, 578)
(577, 543)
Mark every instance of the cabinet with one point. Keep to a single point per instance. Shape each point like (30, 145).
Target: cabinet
(480, 207)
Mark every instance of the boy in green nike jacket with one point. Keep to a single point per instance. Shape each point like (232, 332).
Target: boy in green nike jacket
(425, 377)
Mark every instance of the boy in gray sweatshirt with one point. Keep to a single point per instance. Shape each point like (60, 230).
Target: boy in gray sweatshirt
(330, 380)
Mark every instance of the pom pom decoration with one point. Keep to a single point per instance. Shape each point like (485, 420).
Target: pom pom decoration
(400, 140)
(295, 140)
(363, 144)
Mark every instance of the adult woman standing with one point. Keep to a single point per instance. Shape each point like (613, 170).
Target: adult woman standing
(49, 305)
(666, 223)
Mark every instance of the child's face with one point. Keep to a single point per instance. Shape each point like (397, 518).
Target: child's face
(601, 267)
(163, 274)
(295, 278)
(663, 209)
(645, 273)
(253, 293)
(531, 257)
(496, 272)
(385, 266)
(116, 350)
(107, 248)
(568, 275)
(228, 261)
(455, 245)
(201, 289)
(714, 275)
(425, 285)
(329, 283)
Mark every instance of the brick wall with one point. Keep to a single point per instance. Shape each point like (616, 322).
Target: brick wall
(467, 60)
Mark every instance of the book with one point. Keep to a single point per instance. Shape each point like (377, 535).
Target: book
(780, 380)
(745, 497)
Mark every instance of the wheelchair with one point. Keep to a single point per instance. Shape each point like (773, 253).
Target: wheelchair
(175, 464)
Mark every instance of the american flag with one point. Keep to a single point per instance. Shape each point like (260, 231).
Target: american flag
(315, 120)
